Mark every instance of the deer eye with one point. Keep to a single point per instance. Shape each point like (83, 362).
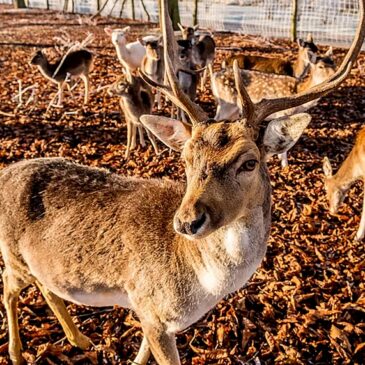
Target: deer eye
(248, 165)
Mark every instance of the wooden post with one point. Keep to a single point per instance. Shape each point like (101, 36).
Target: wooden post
(294, 16)
(19, 4)
(195, 14)
(173, 7)
(133, 10)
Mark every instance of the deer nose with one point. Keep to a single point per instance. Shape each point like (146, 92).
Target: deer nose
(190, 227)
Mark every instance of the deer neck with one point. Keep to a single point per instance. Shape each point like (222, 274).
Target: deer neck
(312, 80)
(123, 53)
(300, 68)
(47, 69)
(348, 173)
(152, 68)
(225, 260)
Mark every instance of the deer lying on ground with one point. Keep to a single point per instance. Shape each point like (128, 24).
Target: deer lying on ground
(168, 250)
(306, 52)
(75, 64)
(130, 55)
(262, 86)
(152, 63)
(351, 170)
(136, 99)
(203, 50)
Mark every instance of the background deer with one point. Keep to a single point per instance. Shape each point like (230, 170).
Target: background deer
(153, 63)
(267, 86)
(306, 52)
(203, 49)
(74, 64)
(136, 99)
(168, 250)
(351, 170)
(130, 55)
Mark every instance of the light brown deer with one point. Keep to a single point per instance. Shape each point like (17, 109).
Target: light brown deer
(168, 250)
(267, 86)
(75, 64)
(351, 170)
(153, 63)
(306, 51)
(136, 99)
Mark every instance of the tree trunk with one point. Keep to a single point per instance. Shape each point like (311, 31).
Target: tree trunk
(174, 13)
(19, 4)
(294, 20)
(195, 14)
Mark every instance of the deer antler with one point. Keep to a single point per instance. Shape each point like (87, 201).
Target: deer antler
(173, 91)
(269, 106)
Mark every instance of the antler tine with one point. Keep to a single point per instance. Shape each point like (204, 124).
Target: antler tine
(269, 106)
(175, 94)
(247, 106)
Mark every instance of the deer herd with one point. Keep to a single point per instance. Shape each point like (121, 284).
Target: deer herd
(96, 238)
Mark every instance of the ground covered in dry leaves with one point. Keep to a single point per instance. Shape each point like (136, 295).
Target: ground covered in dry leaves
(306, 303)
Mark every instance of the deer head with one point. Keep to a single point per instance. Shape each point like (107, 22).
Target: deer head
(153, 47)
(118, 35)
(335, 194)
(225, 160)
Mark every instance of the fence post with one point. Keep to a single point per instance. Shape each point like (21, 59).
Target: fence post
(294, 19)
(195, 14)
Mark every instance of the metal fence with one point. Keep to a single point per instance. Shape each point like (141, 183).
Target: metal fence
(329, 21)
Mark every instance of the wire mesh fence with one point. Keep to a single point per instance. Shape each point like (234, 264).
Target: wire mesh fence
(330, 21)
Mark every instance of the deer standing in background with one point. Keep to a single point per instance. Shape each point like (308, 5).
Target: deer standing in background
(262, 86)
(168, 250)
(136, 99)
(351, 170)
(307, 52)
(153, 63)
(130, 55)
(203, 49)
(75, 64)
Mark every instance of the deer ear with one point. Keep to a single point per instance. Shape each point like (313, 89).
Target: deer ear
(196, 27)
(329, 53)
(327, 168)
(173, 133)
(142, 41)
(180, 27)
(126, 29)
(108, 30)
(309, 38)
(282, 134)
(300, 42)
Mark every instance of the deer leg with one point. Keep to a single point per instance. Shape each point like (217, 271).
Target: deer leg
(283, 157)
(134, 136)
(75, 337)
(141, 136)
(203, 79)
(12, 289)
(361, 231)
(153, 141)
(158, 100)
(144, 353)
(129, 138)
(162, 344)
(85, 79)
(60, 94)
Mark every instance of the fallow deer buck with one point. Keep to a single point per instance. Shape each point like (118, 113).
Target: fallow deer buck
(75, 64)
(351, 170)
(203, 49)
(168, 250)
(130, 55)
(136, 99)
(153, 63)
(262, 85)
(307, 51)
